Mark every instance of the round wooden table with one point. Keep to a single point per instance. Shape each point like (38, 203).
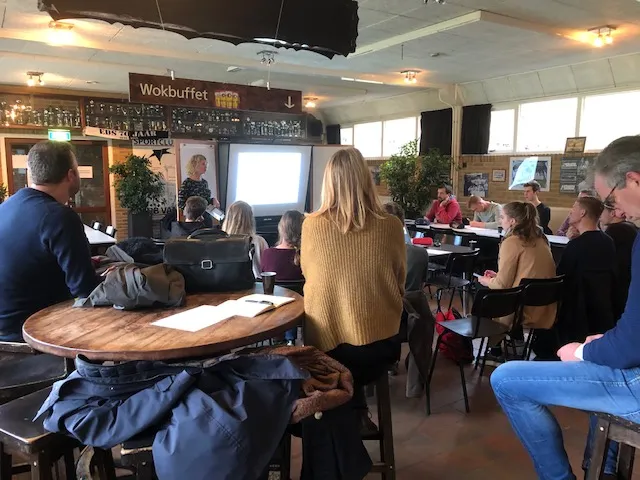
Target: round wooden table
(106, 333)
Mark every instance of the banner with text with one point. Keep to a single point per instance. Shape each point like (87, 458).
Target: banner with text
(156, 89)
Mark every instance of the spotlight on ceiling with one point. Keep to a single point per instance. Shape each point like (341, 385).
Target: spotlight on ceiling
(410, 76)
(60, 33)
(603, 35)
(268, 57)
(310, 102)
(35, 78)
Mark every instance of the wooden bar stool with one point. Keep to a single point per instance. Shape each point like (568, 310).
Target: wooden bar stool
(626, 433)
(387, 465)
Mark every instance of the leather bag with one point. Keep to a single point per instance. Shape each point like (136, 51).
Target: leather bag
(212, 261)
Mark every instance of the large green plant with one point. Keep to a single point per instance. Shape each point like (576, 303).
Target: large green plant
(136, 184)
(412, 178)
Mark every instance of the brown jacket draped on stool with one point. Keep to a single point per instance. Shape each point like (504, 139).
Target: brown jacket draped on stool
(329, 386)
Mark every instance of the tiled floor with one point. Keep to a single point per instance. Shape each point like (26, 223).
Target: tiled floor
(453, 445)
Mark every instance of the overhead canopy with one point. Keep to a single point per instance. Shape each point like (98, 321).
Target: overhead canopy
(327, 27)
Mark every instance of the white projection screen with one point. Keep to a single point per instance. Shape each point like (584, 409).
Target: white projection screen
(270, 178)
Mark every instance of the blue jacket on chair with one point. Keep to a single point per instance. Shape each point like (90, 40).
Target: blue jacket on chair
(213, 422)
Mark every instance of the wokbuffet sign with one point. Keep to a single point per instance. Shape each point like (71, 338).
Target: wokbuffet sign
(162, 90)
(149, 138)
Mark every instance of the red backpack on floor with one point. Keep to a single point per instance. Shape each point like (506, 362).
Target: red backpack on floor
(453, 346)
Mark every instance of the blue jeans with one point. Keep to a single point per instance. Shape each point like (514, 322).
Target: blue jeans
(526, 389)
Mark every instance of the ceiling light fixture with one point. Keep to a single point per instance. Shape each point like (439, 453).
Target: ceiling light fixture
(603, 35)
(35, 78)
(439, 2)
(268, 57)
(410, 76)
(361, 80)
(310, 102)
(60, 33)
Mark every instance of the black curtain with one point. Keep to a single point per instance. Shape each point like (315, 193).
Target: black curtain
(436, 131)
(476, 123)
(333, 134)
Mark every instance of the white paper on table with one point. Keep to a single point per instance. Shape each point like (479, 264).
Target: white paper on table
(198, 318)
(258, 297)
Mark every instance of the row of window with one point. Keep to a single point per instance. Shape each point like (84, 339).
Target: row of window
(541, 126)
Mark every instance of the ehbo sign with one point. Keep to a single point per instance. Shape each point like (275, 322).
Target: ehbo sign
(197, 93)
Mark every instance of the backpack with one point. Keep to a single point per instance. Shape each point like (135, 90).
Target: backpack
(453, 346)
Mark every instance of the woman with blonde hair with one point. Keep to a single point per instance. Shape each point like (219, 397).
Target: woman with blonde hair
(524, 253)
(194, 185)
(353, 258)
(240, 221)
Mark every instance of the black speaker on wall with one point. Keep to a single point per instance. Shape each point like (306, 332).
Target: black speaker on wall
(314, 127)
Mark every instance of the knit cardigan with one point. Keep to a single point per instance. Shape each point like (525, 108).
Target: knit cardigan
(354, 281)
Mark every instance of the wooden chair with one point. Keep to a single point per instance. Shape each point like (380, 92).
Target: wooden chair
(21, 437)
(608, 428)
(386, 467)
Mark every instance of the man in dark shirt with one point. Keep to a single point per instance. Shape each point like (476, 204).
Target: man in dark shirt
(531, 190)
(417, 257)
(194, 211)
(623, 234)
(44, 252)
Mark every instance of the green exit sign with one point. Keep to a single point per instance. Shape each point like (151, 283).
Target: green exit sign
(60, 135)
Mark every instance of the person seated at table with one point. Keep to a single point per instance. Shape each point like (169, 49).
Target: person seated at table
(353, 258)
(284, 258)
(446, 208)
(565, 229)
(417, 257)
(589, 265)
(531, 190)
(45, 260)
(485, 214)
(623, 233)
(240, 221)
(524, 253)
(194, 211)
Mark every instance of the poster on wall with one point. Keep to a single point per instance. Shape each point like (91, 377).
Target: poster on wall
(526, 169)
(573, 172)
(476, 184)
(191, 154)
(381, 187)
(164, 164)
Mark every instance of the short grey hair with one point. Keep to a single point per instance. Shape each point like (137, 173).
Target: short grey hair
(49, 162)
(619, 158)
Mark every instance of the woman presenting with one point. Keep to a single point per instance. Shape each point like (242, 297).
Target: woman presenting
(194, 185)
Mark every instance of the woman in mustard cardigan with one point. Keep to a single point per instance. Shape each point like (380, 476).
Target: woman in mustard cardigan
(353, 258)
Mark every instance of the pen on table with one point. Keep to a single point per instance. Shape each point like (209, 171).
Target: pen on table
(264, 302)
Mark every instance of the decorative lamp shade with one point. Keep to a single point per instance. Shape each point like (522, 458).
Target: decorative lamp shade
(327, 27)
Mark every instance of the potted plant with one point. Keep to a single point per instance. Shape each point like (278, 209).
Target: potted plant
(412, 179)
(137, 186)
(3, 192)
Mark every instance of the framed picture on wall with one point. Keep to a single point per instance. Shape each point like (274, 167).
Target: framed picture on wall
(381, 186)
(526, 169)
(476, 184)
(575, 145)
(498, 175)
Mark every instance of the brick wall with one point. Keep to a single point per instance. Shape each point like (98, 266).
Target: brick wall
(499, 191)
(119, 152)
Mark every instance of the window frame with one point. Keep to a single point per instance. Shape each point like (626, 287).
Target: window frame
(382, 121)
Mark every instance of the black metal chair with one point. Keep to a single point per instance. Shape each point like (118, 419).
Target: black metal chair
(539, 292)
(295, 285)
(457, 264)
(488, 304)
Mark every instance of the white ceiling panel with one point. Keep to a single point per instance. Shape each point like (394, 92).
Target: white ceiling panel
(498, 90)
(626, 69)
(593, 75)
(557, 81)
(526, 84)
(473, 93)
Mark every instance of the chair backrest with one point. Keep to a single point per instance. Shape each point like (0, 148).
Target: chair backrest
(111, 231)
(97, 226)
(462, 263)
(496, 303)
(467, 237)
(539, 292)
(295, 285)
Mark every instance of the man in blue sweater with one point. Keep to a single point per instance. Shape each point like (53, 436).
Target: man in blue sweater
(603, 373)
(44, 253)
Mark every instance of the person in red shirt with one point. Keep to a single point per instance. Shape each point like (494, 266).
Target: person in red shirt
(445, 209)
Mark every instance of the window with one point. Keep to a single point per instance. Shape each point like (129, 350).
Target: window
(545, 126)
(396, 133)
(346, 136)
(503, 124)
(607, 117)
(367, 137)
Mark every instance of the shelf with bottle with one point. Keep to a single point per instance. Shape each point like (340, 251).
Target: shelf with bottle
(278, 128)
(23, 113)
(205, 121)
(124, 116)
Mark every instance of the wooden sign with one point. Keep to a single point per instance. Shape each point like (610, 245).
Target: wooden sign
(154, 89)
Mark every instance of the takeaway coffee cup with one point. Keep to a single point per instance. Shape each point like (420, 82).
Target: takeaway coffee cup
(268, 282)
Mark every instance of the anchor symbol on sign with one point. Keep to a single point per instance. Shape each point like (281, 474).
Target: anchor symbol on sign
(289, 104)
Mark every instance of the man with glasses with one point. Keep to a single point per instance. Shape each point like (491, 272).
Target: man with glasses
(603, 373)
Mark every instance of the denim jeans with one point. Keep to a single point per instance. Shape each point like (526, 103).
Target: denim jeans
(525, 390)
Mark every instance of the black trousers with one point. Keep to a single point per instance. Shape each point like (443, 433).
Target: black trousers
(332, 448)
